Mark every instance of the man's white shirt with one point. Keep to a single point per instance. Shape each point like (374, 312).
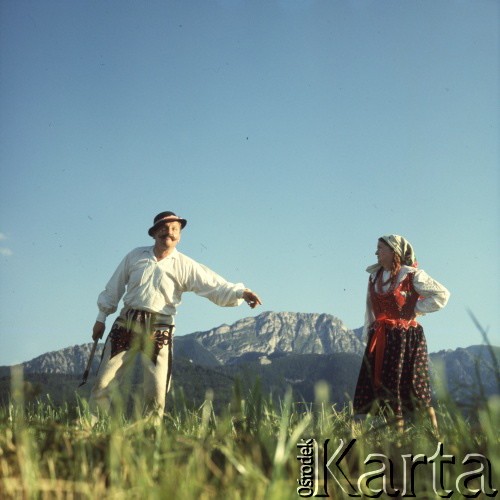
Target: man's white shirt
(157, 285)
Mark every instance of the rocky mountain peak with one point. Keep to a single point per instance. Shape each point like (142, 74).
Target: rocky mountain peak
(275, 333)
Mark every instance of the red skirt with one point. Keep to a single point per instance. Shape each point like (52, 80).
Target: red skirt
(405, 373)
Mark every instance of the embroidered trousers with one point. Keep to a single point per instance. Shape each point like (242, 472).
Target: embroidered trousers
(137, 334)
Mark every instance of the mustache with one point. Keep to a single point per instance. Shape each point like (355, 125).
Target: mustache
(163, 236)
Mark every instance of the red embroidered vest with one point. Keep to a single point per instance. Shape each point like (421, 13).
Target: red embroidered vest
(398, 302)
(394, 308)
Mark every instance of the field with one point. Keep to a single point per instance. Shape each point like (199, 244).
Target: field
(254, 449)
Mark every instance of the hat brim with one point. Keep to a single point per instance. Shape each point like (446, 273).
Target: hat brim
(160, 223)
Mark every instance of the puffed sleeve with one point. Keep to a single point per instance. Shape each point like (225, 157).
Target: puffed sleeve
(108, 299)
(434, 296)
(369, 315)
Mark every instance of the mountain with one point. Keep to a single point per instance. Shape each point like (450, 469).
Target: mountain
(272, 334)
(279, 349)
(68, 361)
(264, 337)
(469, 374)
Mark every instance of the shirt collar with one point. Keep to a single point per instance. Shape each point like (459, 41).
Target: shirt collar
(173, 255)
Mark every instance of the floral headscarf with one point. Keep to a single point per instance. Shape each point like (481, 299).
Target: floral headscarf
(402, 247)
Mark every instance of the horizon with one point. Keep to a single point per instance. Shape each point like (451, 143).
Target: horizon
(102, 341)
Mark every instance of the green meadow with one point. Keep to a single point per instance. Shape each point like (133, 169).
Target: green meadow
(257, 447)
(248, 451)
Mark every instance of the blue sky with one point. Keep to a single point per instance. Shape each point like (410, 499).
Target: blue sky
(291, 135)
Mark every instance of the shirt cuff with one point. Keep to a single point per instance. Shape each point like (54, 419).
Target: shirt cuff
(102, 317)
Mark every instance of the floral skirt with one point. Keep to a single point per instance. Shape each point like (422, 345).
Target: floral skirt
(405, 373)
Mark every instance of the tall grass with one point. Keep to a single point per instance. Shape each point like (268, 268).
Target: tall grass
(249, 451)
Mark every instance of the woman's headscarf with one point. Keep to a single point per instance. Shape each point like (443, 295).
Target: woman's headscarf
(402, 247)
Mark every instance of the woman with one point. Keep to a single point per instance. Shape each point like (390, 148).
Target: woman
(395, 370)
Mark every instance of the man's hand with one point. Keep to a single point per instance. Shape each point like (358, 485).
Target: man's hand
(98, 330)
(252, 299)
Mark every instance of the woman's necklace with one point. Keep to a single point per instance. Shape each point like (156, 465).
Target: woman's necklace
(381, 283)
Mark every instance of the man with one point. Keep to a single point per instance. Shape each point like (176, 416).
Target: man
(151, 281)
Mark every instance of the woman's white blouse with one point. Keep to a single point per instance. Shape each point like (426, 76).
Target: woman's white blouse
(433, 295)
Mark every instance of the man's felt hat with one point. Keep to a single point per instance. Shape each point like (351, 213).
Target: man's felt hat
(163, 218)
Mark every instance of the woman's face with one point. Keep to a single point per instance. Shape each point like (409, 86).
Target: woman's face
(385, 255)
